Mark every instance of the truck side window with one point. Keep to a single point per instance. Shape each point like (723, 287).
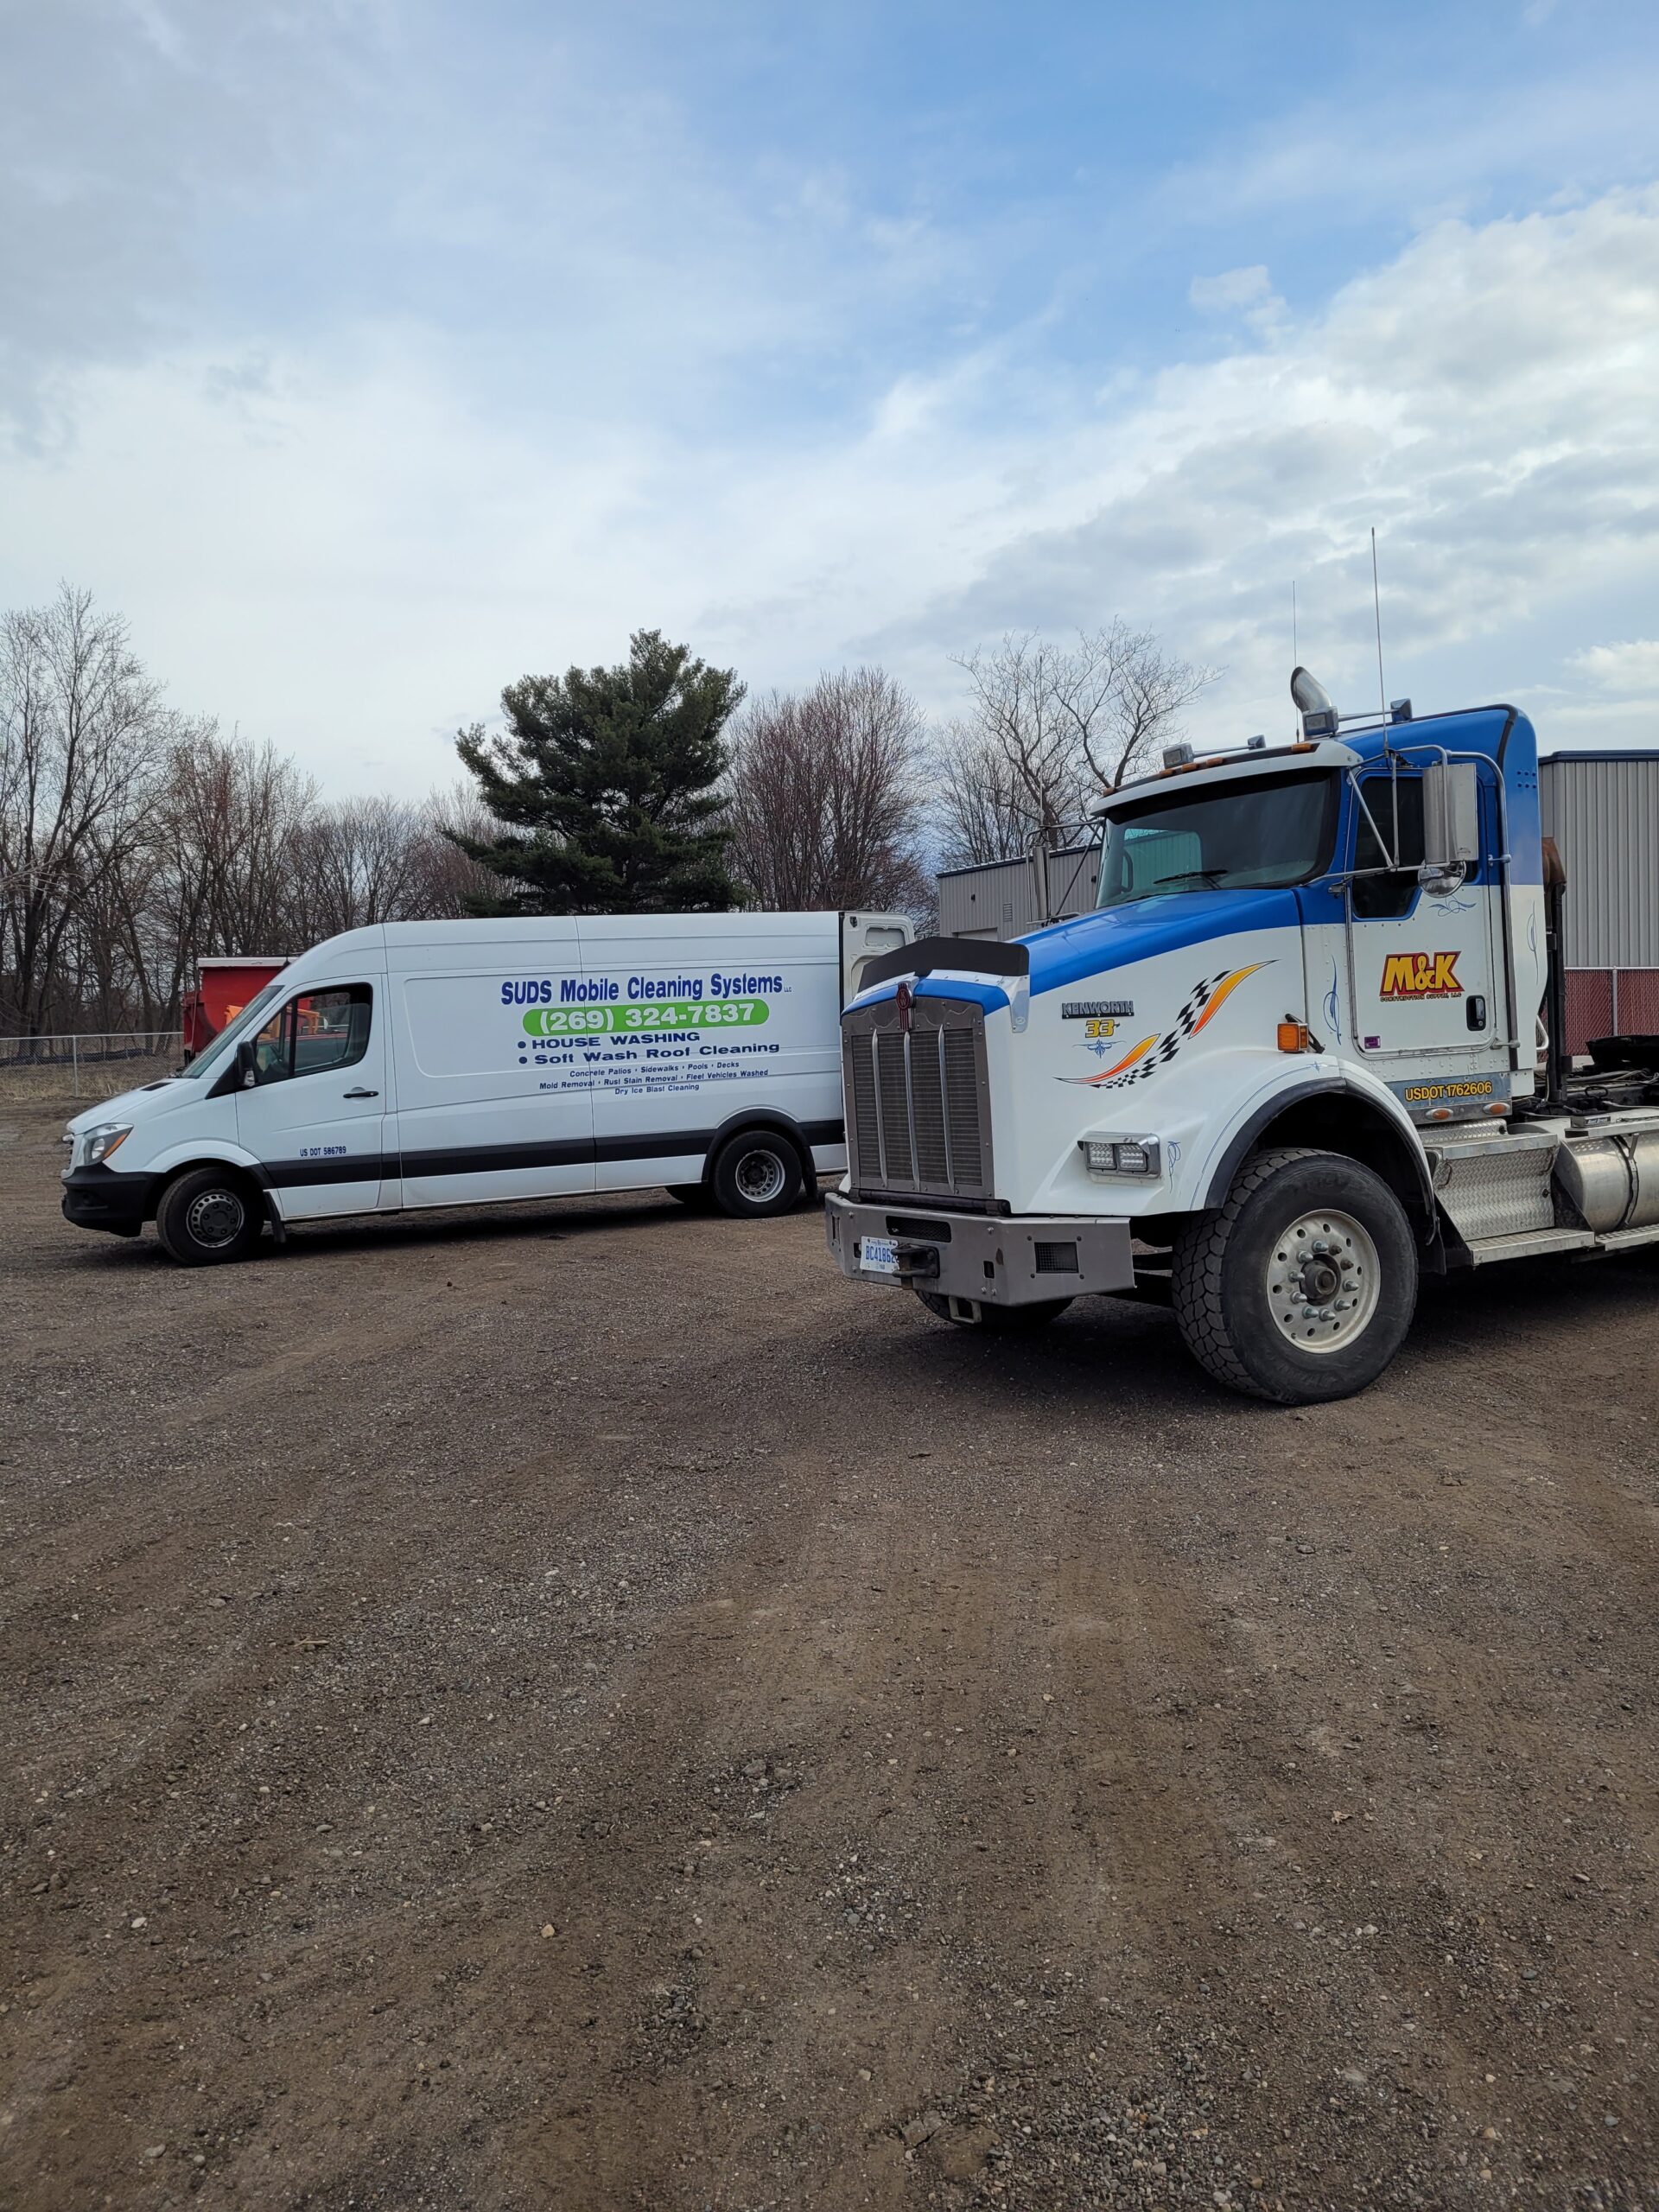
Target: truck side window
(314, 1033)
(1379, 897)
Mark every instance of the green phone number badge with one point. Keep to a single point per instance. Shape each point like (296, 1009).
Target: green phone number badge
(598, 1021)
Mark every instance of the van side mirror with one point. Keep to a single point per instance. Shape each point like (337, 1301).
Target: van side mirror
(247, 1067)
(1451, 824)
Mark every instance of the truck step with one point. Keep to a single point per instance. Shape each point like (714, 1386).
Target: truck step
(1624, 1240)
(1496, 1189)
(1532, 1243)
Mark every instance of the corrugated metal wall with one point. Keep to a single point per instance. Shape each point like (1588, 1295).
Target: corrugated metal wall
(1602, 809)
(1000, 899)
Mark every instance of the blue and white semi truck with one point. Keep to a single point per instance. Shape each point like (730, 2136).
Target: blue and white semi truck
(1309, 1046)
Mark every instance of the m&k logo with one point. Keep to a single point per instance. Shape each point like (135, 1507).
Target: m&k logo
(1422, 976)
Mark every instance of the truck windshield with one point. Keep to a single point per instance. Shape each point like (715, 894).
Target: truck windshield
(1257, 835)
(212, 1054)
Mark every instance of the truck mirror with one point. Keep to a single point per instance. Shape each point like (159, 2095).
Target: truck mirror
(247, 1067)
(1451, 824)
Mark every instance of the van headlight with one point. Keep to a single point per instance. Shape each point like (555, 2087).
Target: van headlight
(96, 1144)
(1122, 1155)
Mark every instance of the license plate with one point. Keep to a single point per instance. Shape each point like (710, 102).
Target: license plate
(878, 1255)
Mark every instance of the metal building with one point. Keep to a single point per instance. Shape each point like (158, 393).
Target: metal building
(999, 899)
(1602, 809)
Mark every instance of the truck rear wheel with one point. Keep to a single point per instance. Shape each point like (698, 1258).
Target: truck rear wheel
(209, 1217)
(1302, 1286)
(998, 1320)
(758, 1173)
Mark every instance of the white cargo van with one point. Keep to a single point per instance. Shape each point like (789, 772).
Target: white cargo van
(442, 1063)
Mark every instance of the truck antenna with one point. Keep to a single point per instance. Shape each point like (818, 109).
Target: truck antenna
(1376, 608)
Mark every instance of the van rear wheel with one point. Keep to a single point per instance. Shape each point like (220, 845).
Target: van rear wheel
(207, 1218)
(757, 1174)
(1301, 1288)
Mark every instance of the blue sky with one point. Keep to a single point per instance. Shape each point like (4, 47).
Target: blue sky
(370, 353)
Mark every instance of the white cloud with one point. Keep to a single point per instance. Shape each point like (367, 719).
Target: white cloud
(350, 546)
(1234, 290)
(1631, 669)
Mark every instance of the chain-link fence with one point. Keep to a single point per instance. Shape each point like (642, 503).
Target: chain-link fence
(85, 1065)
(1611, 1002)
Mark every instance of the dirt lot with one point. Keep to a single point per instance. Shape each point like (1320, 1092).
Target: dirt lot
(582, 1707)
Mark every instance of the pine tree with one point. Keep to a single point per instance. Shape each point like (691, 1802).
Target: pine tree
(604, 784)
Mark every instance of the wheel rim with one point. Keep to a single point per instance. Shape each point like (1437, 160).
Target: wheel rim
(760, 1177)
(1324, 1282)
(215, 1219)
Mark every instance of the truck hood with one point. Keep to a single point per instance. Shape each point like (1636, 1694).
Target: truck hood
(1117, 937)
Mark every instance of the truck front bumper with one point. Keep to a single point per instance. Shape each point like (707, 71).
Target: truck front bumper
(983, 1259)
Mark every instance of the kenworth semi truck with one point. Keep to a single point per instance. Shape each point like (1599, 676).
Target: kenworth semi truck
(1308, 1047)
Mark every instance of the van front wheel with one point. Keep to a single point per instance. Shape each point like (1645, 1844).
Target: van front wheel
(757, 1174)
(209, 1217)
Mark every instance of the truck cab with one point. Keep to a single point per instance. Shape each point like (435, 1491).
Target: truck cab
(1298, 1054)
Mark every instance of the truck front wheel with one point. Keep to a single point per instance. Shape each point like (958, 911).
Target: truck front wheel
(1302, 1286)
(209, 1217)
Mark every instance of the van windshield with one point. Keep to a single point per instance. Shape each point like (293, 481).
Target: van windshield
(212, 1055)
(1257, 835)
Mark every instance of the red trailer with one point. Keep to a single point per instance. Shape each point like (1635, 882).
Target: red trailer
(223, 988)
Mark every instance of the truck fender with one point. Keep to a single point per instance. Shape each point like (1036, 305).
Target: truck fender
(1250, 1131)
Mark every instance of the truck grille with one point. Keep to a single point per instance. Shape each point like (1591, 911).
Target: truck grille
(918, 1121)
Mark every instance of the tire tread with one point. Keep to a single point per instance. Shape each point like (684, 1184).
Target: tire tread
(1195, 1272)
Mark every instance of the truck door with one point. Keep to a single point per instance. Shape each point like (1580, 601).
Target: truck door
(1427, 990)
(314, 1116)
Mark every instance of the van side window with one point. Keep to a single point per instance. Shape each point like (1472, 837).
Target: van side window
(1379, 897)
(314, 1033)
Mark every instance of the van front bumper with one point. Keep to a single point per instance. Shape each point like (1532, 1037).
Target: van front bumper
(97, 1198)
(985, 1259)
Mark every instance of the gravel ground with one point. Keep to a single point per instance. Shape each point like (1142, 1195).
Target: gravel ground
(579, 1706)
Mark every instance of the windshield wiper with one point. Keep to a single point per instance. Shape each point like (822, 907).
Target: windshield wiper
(1186, 875)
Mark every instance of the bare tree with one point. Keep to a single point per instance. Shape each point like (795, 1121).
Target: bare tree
(232, 814)
(1125, 698)
(1049, 727)
(82, 730)
(452, 882)
(355, 862)
(827, 802)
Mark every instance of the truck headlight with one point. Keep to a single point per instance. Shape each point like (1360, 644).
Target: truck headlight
(1122, 1155)
(96, 1144)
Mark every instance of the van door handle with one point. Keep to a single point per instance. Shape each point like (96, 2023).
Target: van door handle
(362, 1094)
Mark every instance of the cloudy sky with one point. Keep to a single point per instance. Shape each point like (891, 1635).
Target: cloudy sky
(368, 353)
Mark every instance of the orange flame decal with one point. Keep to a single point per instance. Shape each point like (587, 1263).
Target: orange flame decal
(1128, 1061)
(1223, 992)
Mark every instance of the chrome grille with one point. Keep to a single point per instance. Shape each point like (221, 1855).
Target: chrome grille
(918, 1119)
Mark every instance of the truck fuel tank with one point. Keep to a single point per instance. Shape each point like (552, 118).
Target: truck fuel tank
(1613, 1177)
